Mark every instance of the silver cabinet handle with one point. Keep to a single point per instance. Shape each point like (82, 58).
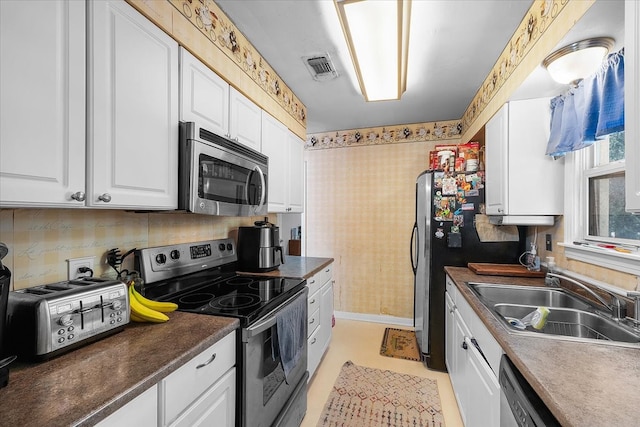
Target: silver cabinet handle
(211, 359)
(327, 270)
(313, 320)
(106, 197)
(79, 196)
(313, 341)
(313, 301)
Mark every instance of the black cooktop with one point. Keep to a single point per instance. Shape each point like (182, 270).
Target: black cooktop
(225, 294)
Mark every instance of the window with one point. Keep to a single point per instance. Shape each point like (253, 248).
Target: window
(595, 202)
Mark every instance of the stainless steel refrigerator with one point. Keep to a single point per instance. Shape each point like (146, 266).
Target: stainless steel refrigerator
(444, 234)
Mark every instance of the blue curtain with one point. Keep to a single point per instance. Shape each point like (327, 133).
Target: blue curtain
(589, 111)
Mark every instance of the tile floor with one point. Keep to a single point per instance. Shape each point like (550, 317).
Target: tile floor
(360, 343)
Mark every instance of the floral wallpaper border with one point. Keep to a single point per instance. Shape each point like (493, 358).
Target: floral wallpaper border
(214, 24)
(537, 20)
(433, 131)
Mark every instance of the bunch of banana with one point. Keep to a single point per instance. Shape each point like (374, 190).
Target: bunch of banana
(146, 310)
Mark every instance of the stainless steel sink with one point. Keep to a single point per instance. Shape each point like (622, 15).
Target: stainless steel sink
(570, 322)
(570, 317)
(526, 295)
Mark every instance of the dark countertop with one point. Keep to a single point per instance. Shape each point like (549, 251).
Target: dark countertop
(297, 267)
(86, 385)
(583, 384)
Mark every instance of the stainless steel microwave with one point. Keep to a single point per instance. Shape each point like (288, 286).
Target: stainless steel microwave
(218, 176)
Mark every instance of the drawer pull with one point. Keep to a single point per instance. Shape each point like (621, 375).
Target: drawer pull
(312, 282)
(313, 341)
(313, 301)
(312, 321)
(327, 270)
(211, 359)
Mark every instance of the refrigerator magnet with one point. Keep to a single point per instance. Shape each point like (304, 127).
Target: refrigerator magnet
(439, 233)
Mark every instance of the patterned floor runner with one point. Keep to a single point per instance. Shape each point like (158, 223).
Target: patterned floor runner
(368, 397)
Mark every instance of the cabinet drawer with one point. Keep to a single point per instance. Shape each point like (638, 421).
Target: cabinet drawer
(186, 384)
(320, 278)
(313, 301)
(313, 322)
(141, 412)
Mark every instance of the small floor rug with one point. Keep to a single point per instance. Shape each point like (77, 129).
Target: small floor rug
(369, 397)
(400, 343)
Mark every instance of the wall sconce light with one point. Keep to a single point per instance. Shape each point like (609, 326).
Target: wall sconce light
(377, 33)
(578, 60)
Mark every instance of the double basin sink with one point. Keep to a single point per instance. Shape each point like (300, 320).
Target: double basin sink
(570, 317)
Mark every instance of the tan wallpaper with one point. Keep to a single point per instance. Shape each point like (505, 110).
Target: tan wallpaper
(360, 211)
(41, 240)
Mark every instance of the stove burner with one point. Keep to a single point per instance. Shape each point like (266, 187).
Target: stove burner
(195, 300)
(239, 281)
(233, 302)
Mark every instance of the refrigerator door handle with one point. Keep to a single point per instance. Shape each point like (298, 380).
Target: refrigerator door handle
(414, 236)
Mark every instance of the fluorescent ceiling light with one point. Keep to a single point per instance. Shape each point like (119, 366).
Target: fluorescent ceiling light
(377, 33)
(578, 60)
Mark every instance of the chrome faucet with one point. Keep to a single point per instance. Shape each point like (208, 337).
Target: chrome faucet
(617, 307)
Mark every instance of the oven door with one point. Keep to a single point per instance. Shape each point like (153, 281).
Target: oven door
(219, 176)
(265, 391)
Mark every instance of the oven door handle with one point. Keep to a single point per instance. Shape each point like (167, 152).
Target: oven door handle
(270, 320)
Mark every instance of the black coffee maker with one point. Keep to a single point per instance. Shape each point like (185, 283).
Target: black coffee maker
(5, 279)
(259, 247)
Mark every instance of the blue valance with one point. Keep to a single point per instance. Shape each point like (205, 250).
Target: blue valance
(589, 111)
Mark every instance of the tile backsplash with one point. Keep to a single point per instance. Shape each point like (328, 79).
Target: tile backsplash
(41, 240)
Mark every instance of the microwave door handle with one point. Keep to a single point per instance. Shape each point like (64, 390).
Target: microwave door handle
(264, 189)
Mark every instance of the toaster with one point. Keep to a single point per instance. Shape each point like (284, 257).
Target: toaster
(48, 320)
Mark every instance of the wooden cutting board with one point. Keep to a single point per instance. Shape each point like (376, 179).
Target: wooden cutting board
(503, 270)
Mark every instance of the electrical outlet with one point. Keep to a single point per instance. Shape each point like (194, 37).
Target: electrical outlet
(74, 265)
(548, 242)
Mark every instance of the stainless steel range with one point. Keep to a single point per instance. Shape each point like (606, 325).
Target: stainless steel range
(272, 347)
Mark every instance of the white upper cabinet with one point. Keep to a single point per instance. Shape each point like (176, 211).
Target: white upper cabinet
(207, 99)
(521, 180)
(245, 120)
(204, 96)
(632, 104)
(42, 125)
(285, 152)
(132, 111)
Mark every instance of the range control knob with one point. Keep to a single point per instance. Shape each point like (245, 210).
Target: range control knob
(175, 254)
(161, 258)
(221, 246)
(65, 320)
(116, 305)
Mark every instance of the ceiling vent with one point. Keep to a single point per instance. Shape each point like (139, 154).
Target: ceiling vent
(321, 67)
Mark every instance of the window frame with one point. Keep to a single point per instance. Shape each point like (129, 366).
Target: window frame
(578, 169)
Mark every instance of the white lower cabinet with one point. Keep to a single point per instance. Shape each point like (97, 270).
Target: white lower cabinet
(202, 388)
(140, 412)
(202, 392)
(472, 358)
(320, 317)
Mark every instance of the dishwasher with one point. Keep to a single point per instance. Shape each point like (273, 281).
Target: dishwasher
(519, 404)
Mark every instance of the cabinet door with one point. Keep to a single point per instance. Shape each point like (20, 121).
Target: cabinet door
(632, 104)
(295, 167)
(140, 412)
(314, 351)
(245, 120)
(326, 314)
(133, 110)
(42, 125)
(496, 140)
(274, 146)
(459, 378)
(216, 407)
(449, 334)
(483, 403)
(204, 96)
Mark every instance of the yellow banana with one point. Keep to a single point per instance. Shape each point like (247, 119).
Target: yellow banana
(135, 318)
(143, 312)
(163, 307)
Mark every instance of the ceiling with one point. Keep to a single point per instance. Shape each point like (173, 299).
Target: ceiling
(453, 46)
